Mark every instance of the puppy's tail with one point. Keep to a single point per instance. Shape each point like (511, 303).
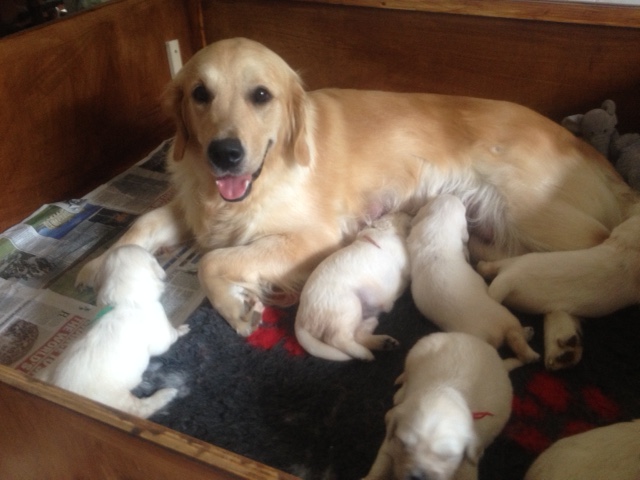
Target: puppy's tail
(145, 407)
(317, 348)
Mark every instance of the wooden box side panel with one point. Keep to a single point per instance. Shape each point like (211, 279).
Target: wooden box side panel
(554, 68)
(50, 433)
(81, 99)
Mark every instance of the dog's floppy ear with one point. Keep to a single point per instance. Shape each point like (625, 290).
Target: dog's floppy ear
(157, 269)
(391, 423)
(173, 103)
(474, 450)
(299, 137)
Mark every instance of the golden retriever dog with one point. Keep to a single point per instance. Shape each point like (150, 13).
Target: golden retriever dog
(109, 360)
(270, 179)
(341, 301)
(611, 452)
(454, 400)
(445, 287)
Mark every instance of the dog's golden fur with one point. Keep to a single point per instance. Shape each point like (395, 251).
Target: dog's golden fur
(318, 165)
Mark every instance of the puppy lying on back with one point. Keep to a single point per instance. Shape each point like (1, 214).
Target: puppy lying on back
(108, 361)
(588, 283)
(454, 400)
(344, 295)
(611, 452)
(447, 290)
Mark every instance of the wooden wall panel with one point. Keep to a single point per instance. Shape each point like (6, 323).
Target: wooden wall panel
(80, 99)
(555, 68)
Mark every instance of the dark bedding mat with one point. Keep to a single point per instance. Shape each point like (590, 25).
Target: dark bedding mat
(264, 398)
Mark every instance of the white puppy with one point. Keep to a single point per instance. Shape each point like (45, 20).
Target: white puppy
(588, 283)
(108, 361)
(342, 298)
(455, 399)
(611, 452)
(446, 288)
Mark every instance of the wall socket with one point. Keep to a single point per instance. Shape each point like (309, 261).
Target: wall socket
(173, 54)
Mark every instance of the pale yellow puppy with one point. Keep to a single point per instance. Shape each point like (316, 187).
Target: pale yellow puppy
(454, 400)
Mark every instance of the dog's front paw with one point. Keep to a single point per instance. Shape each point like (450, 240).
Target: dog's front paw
(563, 340)
(251, 320)
(240, 307)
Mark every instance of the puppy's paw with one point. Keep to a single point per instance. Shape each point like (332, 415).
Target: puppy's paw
(488, 270)
(566, 353)
(87, 275)
(163, 396)
(563, 341)
(528, 333)
(183, 330)
(376, 342)
(390, 343)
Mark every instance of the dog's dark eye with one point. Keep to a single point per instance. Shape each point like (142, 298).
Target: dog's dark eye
(200, 94)
(260, 96)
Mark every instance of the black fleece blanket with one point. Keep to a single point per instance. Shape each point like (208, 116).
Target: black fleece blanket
(264, 398)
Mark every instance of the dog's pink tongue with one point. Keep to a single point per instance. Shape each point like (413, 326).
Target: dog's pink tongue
(232, 187)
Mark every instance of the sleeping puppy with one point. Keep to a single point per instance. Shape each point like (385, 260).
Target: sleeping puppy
(454, 400)
(568, 286)
(592, 282)
(108, 361)
(447, 290)
(344, 295)
(611, 452)
(270, 179)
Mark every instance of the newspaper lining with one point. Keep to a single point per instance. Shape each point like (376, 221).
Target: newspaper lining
(41, 310)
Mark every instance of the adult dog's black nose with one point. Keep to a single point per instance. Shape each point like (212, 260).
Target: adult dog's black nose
(417, 475)
(226, 154)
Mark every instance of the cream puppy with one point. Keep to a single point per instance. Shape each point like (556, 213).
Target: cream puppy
(592, 282)
(108, 361)
(344, 295)
(611, 452)
(454, 400)
(446, 288)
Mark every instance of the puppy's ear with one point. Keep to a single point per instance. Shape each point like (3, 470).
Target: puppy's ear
(299, 138)
(157, 269)
(474, 450)
(391, 423)
(173, 102)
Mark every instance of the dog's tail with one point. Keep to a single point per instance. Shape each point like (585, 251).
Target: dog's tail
(317, 348)
(145, 407)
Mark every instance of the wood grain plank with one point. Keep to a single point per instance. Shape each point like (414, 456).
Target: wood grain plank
(554, 68)
(80, 99)
(80, 439)
(550, 11)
